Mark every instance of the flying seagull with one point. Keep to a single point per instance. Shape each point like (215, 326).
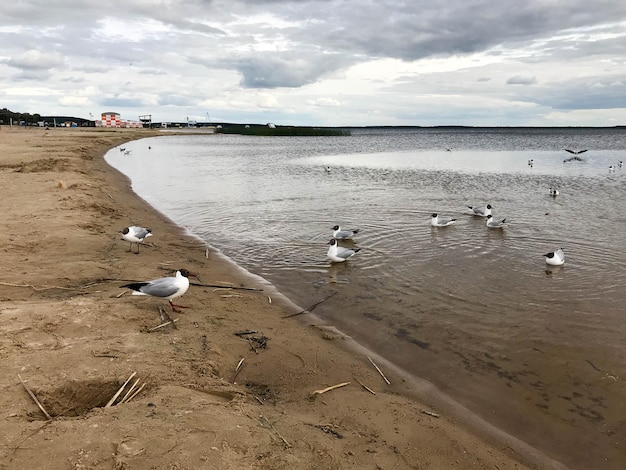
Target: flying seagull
(575, 152)
(134, 234)
(164, 288)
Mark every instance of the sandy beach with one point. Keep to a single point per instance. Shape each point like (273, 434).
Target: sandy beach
(283, 393)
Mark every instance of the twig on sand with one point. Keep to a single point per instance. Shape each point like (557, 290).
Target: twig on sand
(117, 394)
(328, 389)
(310, 308)
(9, 284)
(166, 317)
(135, 393)
(430, 413)
(379, 371)
(163, 324)
(238, 369)
(217, 286)
(365, 386)
(32, 395)
(264, 422)
(130, 390)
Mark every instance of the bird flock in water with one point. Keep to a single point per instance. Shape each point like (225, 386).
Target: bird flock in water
(170, 288)
(338, 254)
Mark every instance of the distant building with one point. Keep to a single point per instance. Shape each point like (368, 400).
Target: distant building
(112, 119)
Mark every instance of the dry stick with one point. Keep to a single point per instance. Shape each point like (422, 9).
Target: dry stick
(328, 389)
(225, 287)
(166, 316)
(430, 413)
(32, 395)
(365, 387)
(163, 324)
(379, 371)
(238, 369)
(117, 394)
(310, 308)
(136, 392)
(132, 387)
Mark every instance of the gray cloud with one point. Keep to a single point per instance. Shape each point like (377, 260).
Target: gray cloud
(226, 53)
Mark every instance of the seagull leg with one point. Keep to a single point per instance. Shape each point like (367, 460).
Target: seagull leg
(174, 306)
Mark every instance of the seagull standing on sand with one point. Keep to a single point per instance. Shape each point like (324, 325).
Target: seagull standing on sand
(134, 234)
(343, 234)
(437, 221)
(482, 211)
(164, 288)
(338, 254)
(555, 258)
(493, 223)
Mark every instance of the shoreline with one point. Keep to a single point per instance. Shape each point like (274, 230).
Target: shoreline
(52, 332)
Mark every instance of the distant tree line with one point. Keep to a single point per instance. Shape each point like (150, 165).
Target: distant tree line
(27, 118)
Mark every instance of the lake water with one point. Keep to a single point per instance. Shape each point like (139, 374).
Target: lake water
(538, 352)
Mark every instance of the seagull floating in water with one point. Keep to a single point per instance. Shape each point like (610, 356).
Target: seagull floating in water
(338, 254)
(134, 234)
(437, 221)
(612, 168)
(555, 258)
(482, 211)
(493, 223)
(575, 152)
(620, 164)
(554, 192)
(343, 234)
(164, 288)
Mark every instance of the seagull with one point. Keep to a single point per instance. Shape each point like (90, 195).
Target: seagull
(165, 287)
(575, 152)
(493, 223)
(483, 211)
(338, 254)
(134, 234)
(531, 162)
(620, 164)
(612, 168)
(122, 149)
(343, 234)
(555, 258)
(327, 169)
(554, 192)
(435, 221)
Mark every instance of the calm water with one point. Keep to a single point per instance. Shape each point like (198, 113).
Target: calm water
(538, 352)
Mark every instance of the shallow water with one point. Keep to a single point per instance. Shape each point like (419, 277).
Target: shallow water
(538, 352)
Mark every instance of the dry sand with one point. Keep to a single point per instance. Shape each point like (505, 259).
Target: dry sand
(66, 332)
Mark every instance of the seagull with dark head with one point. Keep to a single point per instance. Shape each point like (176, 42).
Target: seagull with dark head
(135, 234)
(164, 288)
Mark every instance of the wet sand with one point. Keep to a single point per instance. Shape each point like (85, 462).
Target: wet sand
(74, 341)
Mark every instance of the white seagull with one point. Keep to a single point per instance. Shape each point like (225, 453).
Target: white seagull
(555, 258)
(482, 211)
(437, 221)
(493, 223)
(134, 234)
(343, 234)
(338, 254)
(164, 288)
(554, 192)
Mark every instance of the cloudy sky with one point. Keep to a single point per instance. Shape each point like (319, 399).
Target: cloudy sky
(319, 62)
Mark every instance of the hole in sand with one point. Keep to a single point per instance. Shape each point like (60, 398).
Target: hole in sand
(77, 398)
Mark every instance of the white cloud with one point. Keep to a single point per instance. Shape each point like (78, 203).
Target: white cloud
(483, 62)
